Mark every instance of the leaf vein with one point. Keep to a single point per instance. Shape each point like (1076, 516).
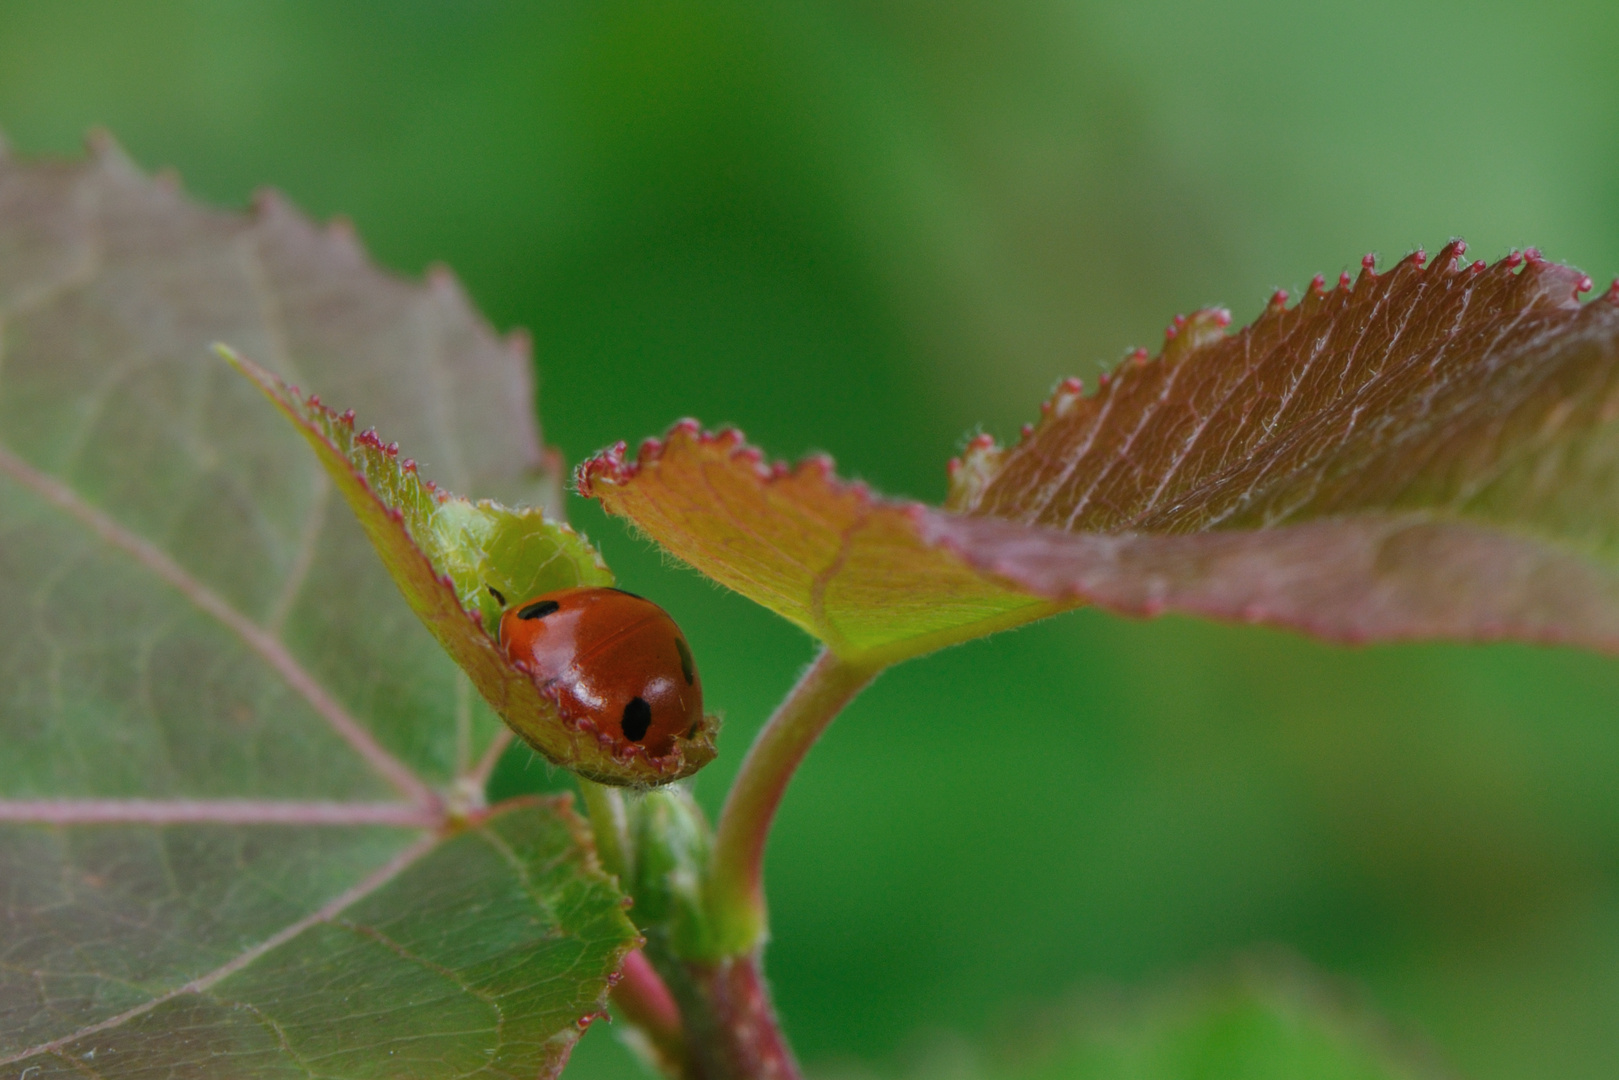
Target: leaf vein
(269, 649)
(326, 913)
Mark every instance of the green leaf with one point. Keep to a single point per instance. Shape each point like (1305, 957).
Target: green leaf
(1262, 1024)
(242, 821)
(456, 956)
(1423, 453)
(446, 554)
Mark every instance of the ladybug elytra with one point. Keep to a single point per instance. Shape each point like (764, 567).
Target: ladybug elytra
(610, 657)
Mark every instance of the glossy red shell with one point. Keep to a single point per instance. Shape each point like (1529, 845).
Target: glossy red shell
(612, 658)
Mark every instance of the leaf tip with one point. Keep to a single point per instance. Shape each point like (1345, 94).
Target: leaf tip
(520, 344)
(980, 462)
(105, 150)
(819, 465)
(604, 467)
(267, 202)
(445, 287)
(339, 230)
(1189, 333)
(267, 383)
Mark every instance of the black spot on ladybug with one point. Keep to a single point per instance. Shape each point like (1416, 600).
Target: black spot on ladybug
(539, 609)
(685, 659)
(499, 599)
(691, 732)
(627, 592)
(637, 718)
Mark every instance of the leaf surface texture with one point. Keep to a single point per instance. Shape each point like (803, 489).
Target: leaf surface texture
(234, 762)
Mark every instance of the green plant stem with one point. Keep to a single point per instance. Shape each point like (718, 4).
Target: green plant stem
(604, 806)
(735, 886)
(640, 996)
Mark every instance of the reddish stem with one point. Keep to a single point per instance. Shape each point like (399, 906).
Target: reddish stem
(736, 870)
(731, 1026)
(641, 998)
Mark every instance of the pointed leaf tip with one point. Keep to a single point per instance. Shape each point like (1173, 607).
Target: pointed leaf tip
(450, 556)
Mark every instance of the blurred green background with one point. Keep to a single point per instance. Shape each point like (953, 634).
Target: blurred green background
(868, 228)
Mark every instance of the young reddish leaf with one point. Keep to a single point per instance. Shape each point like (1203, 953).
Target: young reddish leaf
(241, 787)
(446, 554)
(1425, 452)
(846, 566)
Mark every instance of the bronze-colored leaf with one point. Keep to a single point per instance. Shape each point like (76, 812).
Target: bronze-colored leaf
(1427, 452)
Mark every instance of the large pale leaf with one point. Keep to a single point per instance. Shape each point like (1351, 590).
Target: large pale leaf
(241, 823)
(1427, 452)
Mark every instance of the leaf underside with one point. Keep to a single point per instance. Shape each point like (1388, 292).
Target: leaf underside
(1429, 452)
(227, 745)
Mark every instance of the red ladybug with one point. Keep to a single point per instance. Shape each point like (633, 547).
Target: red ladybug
(611, 657)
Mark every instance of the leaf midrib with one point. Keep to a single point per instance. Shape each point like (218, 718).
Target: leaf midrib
(261, 642)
